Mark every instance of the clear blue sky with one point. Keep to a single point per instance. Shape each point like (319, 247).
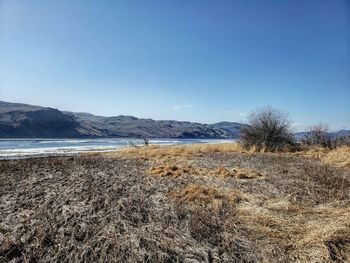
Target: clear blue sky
(195, 60)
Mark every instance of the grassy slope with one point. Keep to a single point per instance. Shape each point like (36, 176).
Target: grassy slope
(201, 203)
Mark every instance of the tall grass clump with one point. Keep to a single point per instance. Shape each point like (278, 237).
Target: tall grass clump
(267, 129)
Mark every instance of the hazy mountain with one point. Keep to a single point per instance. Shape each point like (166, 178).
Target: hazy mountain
(28, 121)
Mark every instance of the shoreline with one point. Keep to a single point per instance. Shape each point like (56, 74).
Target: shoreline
(40, 156)
(87, 146)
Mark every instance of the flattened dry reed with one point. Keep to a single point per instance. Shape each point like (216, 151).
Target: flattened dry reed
(192, 207)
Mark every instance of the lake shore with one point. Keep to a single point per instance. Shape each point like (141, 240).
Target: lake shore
(172, 205)
(28, 148)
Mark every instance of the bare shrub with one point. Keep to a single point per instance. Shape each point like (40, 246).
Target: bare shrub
(318, 135)
(340, 141)
(268, 129)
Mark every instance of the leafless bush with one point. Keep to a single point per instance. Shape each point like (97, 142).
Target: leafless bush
(340, 141)
(318, 135)
(267, 128)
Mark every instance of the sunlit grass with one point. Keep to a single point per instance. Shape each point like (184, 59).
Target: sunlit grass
(339, 157)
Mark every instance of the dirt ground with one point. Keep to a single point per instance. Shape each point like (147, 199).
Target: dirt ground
(205, 207)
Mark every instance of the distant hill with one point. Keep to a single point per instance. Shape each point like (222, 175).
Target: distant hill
(19, 120)
(27, 121)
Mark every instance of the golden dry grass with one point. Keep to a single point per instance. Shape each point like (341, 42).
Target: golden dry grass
(185, 169)
(155, 151)
(309, 234)
(339, 157)
(173, 170)
(204, 194)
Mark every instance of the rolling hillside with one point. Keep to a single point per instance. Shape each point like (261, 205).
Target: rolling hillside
(28, 121)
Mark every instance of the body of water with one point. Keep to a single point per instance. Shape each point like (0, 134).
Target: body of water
(25, 148)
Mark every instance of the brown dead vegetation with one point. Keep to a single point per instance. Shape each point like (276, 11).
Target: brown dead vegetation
(161, 152)
(204, 195)
(339, 156)
(173, 170)
(176, 205)
(184, 169)
(236, 172)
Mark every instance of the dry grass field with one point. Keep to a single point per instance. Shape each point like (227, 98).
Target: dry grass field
(198, 203)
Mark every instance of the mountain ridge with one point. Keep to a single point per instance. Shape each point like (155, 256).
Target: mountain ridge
(18, 120)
